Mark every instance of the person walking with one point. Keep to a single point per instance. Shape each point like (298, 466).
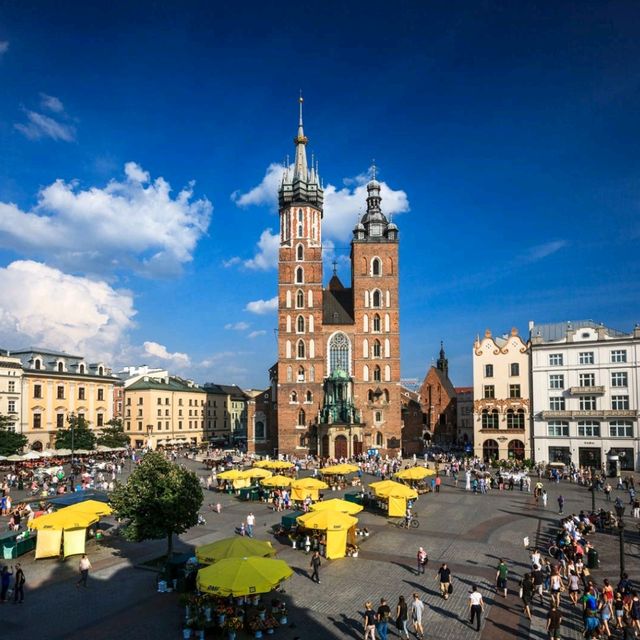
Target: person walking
(18, 586)
(526, 594)
(5, 581)
(554, 620)
(315, 565)
(545, 497)
(251, 521)
(560, 504)
(417, 611)
(501, 577)
(422, 560)
(476, 606)
(369, 622)
(444, 574)
(83, 567)
(402, 617)
(382, 619)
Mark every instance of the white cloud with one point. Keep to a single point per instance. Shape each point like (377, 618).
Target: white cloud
(41, 126)
(127, 224)
(540, 251)
(262, 307)
(4, 46)
(343, 207)
(43, 306)
(159, 351)
(255, 334)
(266, 192)
(51, 103)
(237, 326)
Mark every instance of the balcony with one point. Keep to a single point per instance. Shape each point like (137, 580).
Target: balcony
(586, 391)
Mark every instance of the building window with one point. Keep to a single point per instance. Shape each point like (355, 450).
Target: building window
(555, 360)
(293, 397)
(100, 371)
(489, 391)
(81, 369)
(377, 349)
(621, 429)
(100, 420)
(557, 403)
(12, 386)
(515, 419)
(619, 379)
(585, 357)
(81, 393)
(37, 421)
(128, 402)
(37, 363)
(300, 223)
(588, 403)
(376, 323)
(490, 419)
(377, 416)
(301, 417)
(377, 375)
(620, 403)
(309, 396)
(556, 381)
(299, 252)
(560, 429)
(376, 299)
(259, 430)
(300, 324)
(488, 371)
(60, 367)
(619, 355)
(588, 429)
(339, 353)
(100, 394)
(11, 406)
(299, 275)
(300, 349)
(60, 392)
(587, 379)
(59, 421)
(514, 391)
(37, 391)
(300, 374)
(515, 369)
(376, 269)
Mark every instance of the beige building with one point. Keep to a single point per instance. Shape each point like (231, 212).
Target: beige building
(11, 388)
(227, 410)
(164, 411)
(502, 401)
(56, 384)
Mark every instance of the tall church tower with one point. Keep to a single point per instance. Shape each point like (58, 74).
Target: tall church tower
(300, 352)
(374, 271)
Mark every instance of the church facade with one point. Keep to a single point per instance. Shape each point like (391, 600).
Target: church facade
(336, 385)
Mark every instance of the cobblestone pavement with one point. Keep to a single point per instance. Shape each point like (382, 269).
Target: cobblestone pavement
(469, 532)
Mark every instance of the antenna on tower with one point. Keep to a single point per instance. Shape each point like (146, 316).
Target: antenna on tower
(373, 168)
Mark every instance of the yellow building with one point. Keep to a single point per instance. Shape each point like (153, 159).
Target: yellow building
(161, 411)
(56, 384)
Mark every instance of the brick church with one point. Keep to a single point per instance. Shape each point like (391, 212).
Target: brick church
(335, 390)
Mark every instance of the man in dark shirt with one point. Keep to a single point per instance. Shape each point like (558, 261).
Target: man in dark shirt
(18, 587)
(369, 622)
(444, 573)
(384, 613)
(554, 619)
(538, 581)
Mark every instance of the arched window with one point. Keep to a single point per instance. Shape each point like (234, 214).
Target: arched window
(376, 299)
(489, 450)
(339, 353)
(378, 439)
(490, 419)
(286, 221)
(310, 324)
(100, 371)
(376, 267)
(288, 299)
(259, 430)
(300, 252)
(309, 396)
(312, 374)
(289, 374)
(376, 323)
(288, 324)
(299, 299)
(81, 369)
(386, 395)
(293, 397)
(387, 373)
(515, 449)
(61, 368)
(365, 323)
(287, 350)
(387, 348)
(312, 349)
(377, 416)
(300, 374)
(300, 349)
(387, 323)
(388, 296)
(366, 298)
(365, 348)
(310, 299)
(299, 275)
(300, 223)
(365, 373)
(300, 324)
(377, 374)
(302, 417)
(37, 363)
(377, 351)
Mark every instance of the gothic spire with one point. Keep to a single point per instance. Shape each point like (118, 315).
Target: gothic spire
(300, 170)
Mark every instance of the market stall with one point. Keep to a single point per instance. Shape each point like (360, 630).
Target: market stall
(395, 495)
(237, 547)
(276, 482)
(415, 478)
(307, 488)
(336, 504)
(340, 530)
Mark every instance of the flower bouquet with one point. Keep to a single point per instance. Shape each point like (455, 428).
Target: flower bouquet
(270, 624)
(233, 623)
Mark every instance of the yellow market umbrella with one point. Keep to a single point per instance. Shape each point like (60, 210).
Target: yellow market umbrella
(64, 519)
(327, 520)
(349, 468)
(339, 469)
(381, 484)
(256, 472)
(395, 490)
(336, 504)
(94, 507)
(238, 547)
(232, 474)
(243, 576)
(309, 483)
(276, 481)
(276, 464)
(415, 473)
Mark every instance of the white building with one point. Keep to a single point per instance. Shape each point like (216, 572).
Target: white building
(501, 399)
(585, 388)
(10, 388)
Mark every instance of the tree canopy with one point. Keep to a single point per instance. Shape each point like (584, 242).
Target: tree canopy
(113, 435)
(77, 434)
(159, 499)
(10, 442)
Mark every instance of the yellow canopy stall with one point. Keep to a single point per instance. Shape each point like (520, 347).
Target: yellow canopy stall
(238, 479)
(257, 472)
(340, 528)
(415, 473)
(243, 576)
(336, 504)
(274, 464)
(395, 494)
(304, 487)
(276, 481)
(48, 543)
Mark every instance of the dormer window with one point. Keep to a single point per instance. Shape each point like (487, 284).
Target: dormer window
(37, 363)
(81, 368)
(60, 367)
(100, 371)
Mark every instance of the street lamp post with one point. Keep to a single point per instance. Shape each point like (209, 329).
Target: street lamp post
(594, 483)
(620, 513)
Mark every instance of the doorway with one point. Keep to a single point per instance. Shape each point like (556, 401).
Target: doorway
(341, 447)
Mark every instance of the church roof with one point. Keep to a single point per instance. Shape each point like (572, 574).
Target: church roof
(335, 284)
(337, 305)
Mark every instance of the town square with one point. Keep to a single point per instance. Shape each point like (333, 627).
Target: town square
(319, 322)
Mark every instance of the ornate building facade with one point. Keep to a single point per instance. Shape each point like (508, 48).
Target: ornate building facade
(337, 380)
(502, 399)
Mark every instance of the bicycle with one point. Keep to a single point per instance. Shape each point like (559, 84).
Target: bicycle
(412, 522)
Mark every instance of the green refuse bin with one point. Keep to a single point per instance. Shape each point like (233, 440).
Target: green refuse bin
(592, 559)
(245, 493)
(353, 496)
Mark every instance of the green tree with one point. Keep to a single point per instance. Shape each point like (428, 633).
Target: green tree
(113, 435)
(10, 442)
(159, 499)
(77, 434)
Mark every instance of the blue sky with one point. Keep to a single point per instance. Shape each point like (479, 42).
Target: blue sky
(139, 150)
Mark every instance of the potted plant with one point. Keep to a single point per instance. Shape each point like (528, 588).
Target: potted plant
(262, 611)
(233, 624)
(270, 624)
(256, 626)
